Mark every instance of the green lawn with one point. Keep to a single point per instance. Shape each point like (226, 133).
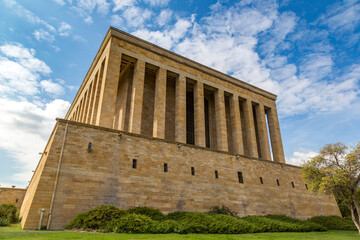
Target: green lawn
(15, 232)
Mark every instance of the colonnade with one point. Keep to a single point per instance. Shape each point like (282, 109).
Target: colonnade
(250, 120)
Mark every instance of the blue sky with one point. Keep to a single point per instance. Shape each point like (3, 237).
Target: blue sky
(306, 52)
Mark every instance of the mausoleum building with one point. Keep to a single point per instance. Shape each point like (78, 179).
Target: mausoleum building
(149, 127)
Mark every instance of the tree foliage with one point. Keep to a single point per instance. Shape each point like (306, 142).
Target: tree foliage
(336, 170)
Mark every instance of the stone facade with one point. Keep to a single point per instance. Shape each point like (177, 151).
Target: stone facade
(141, 107)
(12, 195)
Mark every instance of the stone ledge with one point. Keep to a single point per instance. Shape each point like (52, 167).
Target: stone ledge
(169, 141)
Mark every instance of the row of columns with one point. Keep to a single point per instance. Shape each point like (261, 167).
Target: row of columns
(256, 145)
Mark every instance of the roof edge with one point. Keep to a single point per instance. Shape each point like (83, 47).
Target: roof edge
(186, 61)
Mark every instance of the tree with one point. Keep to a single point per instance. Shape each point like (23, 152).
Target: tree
(336, 170)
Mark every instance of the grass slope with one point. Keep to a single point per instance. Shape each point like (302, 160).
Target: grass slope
(15, 232)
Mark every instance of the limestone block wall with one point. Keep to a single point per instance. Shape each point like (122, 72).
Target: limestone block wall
(12, 195)
(104, 174)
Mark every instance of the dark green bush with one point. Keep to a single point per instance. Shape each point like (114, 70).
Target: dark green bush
(4, 222)
(167, 226)
(9, 212)
(223, 210)
(334, 222)
(230, 225)
(97, 218)
(302, 226)
(282, 223)
(176, 215)
(130, 223)
(154, 214)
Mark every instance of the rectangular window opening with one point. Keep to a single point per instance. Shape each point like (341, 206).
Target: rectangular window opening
(193, 171)
(306, 186)
(216, 174)
(261, 180)
(165, 167)
(292, 184)
(240, 177)
(134, 165)
(277, 181)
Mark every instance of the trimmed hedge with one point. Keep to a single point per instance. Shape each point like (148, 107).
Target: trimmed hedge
(334, 222)
(148, 220)
(8, 214)
(97, 218)
(154, 214)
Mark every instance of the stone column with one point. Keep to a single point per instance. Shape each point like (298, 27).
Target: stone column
(199, 114)
(91, 100)
(81, 109)
(275, 135)
(108, 93)
(94, 110)
(236, 125)
(86, 103)
(137, 94)
(160, 104)
(262, 131)
(180, 109)
(220, 116)
(250, 129)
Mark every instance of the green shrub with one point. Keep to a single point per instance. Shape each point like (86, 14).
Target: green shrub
(10, 212)
(97, 218)
(176, 215)
(4, 222)
(130, 223)
(302, 226)
(154, 214)
(223, 210)
(223, 224)
(334, 222)
(167, 226)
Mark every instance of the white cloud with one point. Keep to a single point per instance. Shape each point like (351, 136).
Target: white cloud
(19, 70)
(300, 156)
(84, 8)
(60, 2)
(117, 21)
(26, 118)
(28, 15)
(135, 16)
(164, 17)
(342, 16)
(52, 88)
(41, 34)
(25, 128)
(64, 29)
(316, 66)
(157, 2)
(166, 38)
(121, 4)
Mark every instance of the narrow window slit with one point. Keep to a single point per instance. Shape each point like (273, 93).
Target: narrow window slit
(216, 174)
(292, 184)
(193, 171)
(261, 180)
(134, 164)
(277, 181)
(165, 167)
(240, 177)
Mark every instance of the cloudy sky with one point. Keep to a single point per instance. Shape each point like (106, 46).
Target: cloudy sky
(306, 52)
